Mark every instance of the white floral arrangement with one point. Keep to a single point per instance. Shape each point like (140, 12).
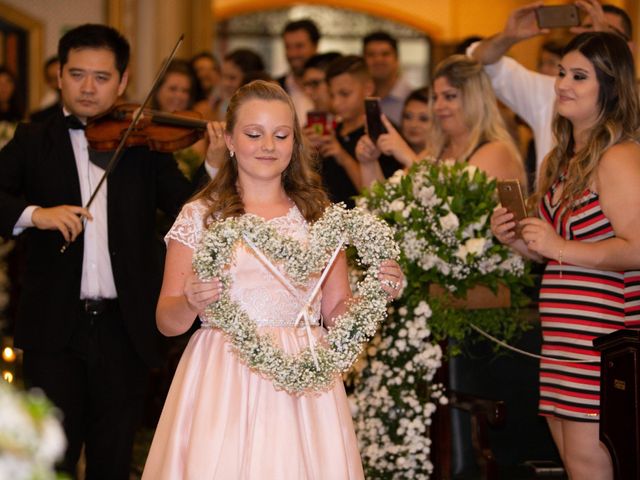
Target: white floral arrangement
(440, 214)
(31, 437)
(394, 397)
(309, 370)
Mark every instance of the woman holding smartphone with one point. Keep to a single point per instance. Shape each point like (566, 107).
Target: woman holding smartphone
(587, 232)
(466, 126)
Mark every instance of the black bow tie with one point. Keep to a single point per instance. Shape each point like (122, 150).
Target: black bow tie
(101, 159)
(74, 123)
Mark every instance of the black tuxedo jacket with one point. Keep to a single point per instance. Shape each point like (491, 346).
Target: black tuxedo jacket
(38, 168)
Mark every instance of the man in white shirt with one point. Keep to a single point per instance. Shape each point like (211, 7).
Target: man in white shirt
(86, 316)
(380, 52)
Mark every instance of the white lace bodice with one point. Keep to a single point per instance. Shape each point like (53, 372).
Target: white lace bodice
(262, 295)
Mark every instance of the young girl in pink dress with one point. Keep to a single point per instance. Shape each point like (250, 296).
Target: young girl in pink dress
(221, 420)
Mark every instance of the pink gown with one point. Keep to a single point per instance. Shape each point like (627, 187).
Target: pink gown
(222, 420)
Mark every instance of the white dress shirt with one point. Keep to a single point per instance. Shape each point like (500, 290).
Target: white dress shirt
(300, 100)
(393, 104)
(529, 94)
(97, 274)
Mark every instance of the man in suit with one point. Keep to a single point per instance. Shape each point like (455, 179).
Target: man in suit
(86, 319)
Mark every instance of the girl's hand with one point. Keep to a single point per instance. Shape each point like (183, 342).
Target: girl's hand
(541, 238)
(391, 278)
(200, 293)
(502, 226)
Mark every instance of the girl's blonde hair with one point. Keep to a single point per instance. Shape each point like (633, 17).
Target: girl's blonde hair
(300, 179)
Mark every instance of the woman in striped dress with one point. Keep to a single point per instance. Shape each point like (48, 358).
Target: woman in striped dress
(588, 198)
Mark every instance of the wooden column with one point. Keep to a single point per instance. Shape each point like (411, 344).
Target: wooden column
(153, 27)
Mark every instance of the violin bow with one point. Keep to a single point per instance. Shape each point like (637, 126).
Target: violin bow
(115, 158)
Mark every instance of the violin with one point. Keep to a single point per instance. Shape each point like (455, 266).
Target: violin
(159, 131)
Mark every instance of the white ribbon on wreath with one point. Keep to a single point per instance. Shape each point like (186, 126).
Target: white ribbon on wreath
(307, 306)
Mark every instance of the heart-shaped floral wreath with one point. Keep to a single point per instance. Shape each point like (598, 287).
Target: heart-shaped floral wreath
(305, 371)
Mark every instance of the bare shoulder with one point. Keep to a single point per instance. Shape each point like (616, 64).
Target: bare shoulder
(492, 152)
(498, 160)
(624, 156)
(619, 169)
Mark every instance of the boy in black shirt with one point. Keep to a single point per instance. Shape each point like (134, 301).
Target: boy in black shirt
(349, 84)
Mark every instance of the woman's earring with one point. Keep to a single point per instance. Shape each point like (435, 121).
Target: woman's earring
(231, 153)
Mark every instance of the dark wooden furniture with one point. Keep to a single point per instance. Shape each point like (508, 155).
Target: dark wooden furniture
(484, 413)
(620, 400)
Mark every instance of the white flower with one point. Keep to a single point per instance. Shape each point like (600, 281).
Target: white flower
(423, 309)
(471, 170)
(462, 252)
(449, 221)
(396, 177)
(449, 162)
(475, 246)
(31, 438)
(397, 205)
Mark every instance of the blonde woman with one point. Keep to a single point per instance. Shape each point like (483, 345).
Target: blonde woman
(466, 126)
(587, 233)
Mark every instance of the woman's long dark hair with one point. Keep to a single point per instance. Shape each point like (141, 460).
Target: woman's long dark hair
(618, 120)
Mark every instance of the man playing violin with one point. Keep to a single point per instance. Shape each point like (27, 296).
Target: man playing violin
(86, 318)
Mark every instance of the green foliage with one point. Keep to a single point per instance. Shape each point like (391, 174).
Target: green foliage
(440, 213)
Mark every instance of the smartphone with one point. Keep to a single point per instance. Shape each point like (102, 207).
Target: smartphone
(558, 16)
(375, 127)
(320, 122)
(511, 198)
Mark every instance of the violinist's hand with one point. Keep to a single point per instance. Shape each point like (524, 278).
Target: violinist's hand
(216, 147)
(392, 143)
(65, 218)
(200, 293)
(366, 151)
(391, 277)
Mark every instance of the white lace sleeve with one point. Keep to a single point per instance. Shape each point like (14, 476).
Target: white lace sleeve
(189, 226)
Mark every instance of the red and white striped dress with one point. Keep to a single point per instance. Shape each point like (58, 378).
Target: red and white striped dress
(578, 304)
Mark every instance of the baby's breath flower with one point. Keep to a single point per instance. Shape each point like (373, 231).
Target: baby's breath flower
(298, 374)
(439, 212)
